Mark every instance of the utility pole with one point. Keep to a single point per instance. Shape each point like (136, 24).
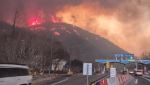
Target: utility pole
(69, 72)
(136, 64)
(87, 76)
(51, 50)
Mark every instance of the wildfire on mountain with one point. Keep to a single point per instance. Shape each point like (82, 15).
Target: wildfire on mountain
(120, 21)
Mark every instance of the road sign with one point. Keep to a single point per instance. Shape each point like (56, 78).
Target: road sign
(118, 55)
(87, 68)
(124, 55)
(112, 72)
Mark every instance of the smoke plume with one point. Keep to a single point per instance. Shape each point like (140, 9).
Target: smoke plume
(124, 22)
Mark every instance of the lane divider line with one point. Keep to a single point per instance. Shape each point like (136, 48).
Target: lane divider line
(146, 79)
(60, 81)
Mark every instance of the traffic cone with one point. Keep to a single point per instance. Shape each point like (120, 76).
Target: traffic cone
(103, 82)
(120, 79)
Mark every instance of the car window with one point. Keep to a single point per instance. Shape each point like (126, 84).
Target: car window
(12, 72)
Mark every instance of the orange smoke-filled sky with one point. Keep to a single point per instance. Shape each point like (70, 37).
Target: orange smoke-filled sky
(127, 26)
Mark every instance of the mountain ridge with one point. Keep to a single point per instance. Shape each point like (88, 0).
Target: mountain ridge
(79, 43)
(82, 44)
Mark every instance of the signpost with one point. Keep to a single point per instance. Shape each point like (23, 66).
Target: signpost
(129, 56)
(87, 70)
(113, 72)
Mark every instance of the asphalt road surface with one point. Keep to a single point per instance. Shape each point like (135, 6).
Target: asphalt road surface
(139, 80)
(73, 80)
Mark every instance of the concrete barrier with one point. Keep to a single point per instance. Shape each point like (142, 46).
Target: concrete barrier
(119, 80)
(113, 81)
(104, 82)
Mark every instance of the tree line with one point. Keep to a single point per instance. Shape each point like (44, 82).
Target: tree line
(34, 48)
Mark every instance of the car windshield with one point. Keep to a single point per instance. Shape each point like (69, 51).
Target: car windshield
(13, 72)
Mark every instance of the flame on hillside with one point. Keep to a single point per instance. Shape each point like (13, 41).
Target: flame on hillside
(99, 23)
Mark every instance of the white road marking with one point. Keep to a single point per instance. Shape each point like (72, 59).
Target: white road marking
(146, 79)
(60, 81)
(136, 81)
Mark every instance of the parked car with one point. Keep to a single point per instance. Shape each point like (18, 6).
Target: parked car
(13, 74)
(139, 72)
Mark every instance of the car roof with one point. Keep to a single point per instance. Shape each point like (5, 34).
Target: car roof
(13, 66)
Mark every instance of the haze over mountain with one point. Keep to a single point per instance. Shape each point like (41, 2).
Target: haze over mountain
(82, 44)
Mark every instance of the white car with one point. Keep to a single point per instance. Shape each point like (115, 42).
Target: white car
(12, 74)
(139, 72)
(131, 72)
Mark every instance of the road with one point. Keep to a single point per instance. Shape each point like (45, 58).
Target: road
(139, 80)
(72, 80)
